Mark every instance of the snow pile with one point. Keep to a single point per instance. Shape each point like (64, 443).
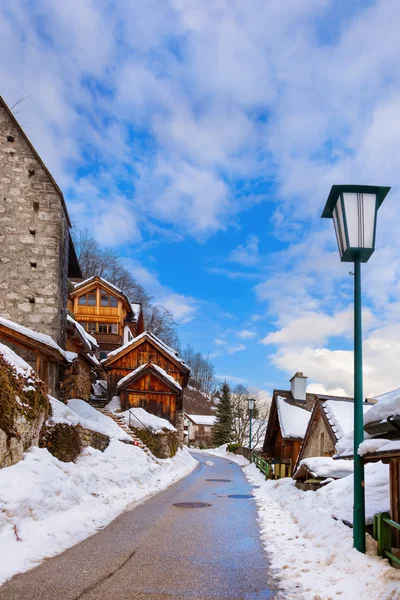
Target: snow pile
(141, 419)
(47, 506)
(292, 419)
(21, 367)
(388, 405)
(324, 467)
(79, 412)
(378, 445)
(311, 550)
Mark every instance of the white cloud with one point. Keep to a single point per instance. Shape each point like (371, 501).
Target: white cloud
(246, 334)
(246, 254)
(232, 349)
(219, 342)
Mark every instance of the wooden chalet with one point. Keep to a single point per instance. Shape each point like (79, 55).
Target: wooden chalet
(288, 419)
(81, 373)
(39, 350)
(198, 429)
(106, 313)
(147, 373)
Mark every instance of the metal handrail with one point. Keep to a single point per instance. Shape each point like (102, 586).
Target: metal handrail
(137, 418)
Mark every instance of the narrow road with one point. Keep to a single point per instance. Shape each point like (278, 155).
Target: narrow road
(157, 551)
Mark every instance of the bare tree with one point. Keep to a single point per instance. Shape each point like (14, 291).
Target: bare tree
(202, 376)
(241, 415)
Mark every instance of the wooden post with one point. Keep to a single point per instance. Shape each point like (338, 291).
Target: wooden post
(394, 470)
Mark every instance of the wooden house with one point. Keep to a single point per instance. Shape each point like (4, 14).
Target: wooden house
(39, 350)
(106, 313)
(313, 473)
(198, 429)
(147, 373)
(81, 373)
(287, 423)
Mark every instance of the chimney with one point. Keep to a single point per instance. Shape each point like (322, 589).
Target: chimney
(298, 385)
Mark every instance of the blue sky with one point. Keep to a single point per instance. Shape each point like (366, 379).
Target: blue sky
(200, 139)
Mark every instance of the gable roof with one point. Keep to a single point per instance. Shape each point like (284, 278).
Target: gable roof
(34, 152)
(322, 467)
(133, 307)
(142, 370)
(35, 340)
(147, 336)
(293, 420)
(202, 419)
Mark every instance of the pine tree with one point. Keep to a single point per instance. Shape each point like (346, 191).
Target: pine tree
(222, 430)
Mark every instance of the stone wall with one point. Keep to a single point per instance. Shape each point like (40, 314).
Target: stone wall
(93, 438)
(162, 445)
(34, 238)
(319, 442)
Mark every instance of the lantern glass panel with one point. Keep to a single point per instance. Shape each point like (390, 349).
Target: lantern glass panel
(251, 402)
(360, 212)
(339, 227)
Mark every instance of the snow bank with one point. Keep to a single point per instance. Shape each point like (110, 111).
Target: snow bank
(309, 547)
(145, 419)
(46, 505)
(292, 419)
(222, 453)
(79, 412)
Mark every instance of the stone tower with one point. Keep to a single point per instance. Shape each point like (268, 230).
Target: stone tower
(36, 251)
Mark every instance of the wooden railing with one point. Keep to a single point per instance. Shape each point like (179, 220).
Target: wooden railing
(382, 532)
(108, 338)
(263, 465)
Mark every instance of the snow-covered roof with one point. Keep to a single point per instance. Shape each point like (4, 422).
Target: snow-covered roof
(42, 338)
(388, 405)
(15, 361)
(89, 339)
(373, 445)
(173, 353)
(202, 419)
(135, 308)
(162, 372)
(340, 414)
(293, 420)
(324, 467)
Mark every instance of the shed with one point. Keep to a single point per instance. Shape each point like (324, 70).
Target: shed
(199, 429)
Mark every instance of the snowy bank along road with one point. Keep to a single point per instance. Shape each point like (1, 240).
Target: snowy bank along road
(160, 551)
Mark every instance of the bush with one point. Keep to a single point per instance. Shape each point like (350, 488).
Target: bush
(232, 447)
(62, 441)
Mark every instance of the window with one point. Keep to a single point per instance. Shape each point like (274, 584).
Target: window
(88, 299)
(107, 300)
(108, 328)
(321, 443)
(103, 355)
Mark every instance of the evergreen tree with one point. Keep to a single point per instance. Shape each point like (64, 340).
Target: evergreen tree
(222, 430)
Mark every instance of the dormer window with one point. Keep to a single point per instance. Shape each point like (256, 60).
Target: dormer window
(107, 299)
(88, 299)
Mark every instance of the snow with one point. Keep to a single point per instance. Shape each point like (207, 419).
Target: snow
(310, 549)
(202, 419)
(340, 414)
(21, 367)
(145, 419)
(52, 505)
(293, 420)
(79, 412)
(135, 308)
(43, 338)
(387, 405)
(222, 453)
(133, 374)
(155, 339)
(378, 445)
(89, 339)
(324, 467)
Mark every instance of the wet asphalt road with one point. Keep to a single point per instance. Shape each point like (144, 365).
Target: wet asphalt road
(157, 551)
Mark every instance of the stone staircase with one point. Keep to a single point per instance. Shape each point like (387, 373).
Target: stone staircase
(98, 401)
(120, 421)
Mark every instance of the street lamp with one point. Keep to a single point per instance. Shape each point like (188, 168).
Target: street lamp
(353, 209)
(251, 402)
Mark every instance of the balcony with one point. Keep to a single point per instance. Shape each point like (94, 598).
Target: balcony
(108, 339)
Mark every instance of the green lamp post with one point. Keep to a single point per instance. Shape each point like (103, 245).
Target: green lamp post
(251, 402)
(353, 209)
